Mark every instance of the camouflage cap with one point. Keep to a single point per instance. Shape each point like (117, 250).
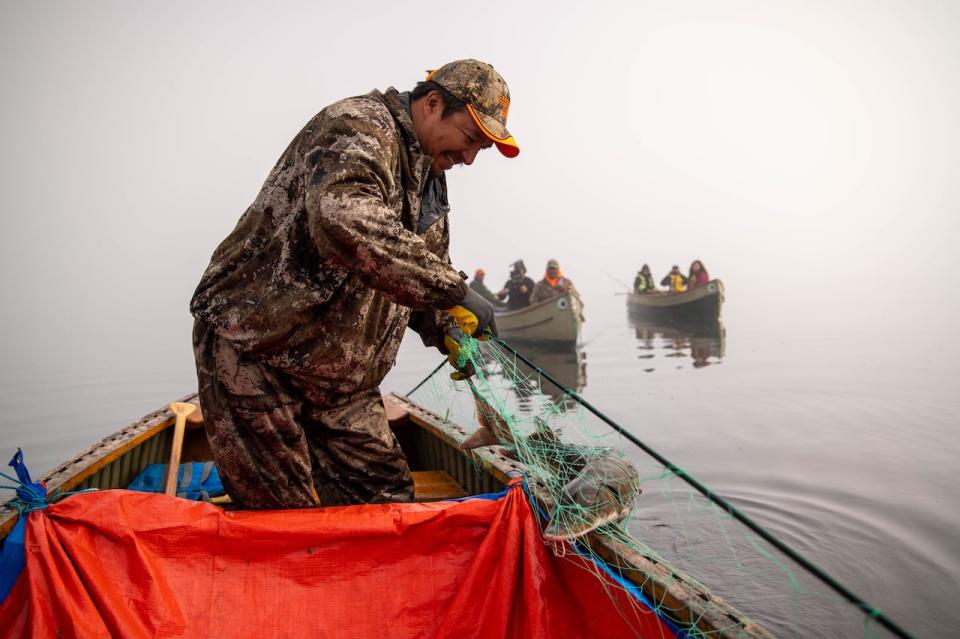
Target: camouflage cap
(486, 95)
(553, 263)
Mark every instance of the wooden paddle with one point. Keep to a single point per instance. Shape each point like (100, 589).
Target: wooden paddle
(181, 410)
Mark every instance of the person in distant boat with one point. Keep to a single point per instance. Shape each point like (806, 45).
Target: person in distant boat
(553, 284)
(481, 288)
(301, 311)
(675, 281)
(643, 282)
(698, 275)
(518, 288)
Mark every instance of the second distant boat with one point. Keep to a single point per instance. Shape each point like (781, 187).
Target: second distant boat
(700, 304)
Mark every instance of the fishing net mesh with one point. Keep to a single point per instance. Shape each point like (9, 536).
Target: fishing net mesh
(671, 524)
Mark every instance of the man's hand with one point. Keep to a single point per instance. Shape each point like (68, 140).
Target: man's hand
(451, 340)
(475, 315)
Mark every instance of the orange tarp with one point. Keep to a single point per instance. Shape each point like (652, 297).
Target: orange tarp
(126, 564)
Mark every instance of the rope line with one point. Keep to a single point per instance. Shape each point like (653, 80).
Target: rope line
(866, 608)
(836, 586)
(425, 379)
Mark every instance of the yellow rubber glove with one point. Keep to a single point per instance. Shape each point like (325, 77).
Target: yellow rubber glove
(475, 315)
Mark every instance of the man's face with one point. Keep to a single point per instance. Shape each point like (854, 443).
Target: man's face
(450, 141)
(552, 272)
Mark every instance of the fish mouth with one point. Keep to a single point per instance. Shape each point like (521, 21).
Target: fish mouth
(569, 523)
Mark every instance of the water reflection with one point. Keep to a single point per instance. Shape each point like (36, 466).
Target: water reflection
(567, 364)
(704, 343)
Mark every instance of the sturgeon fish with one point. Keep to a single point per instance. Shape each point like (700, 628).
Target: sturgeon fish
(603, 486)
(602, 492)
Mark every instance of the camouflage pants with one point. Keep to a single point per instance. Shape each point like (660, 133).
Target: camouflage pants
(275, 449)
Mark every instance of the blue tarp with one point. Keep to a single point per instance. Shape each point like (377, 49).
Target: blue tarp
(195, 480)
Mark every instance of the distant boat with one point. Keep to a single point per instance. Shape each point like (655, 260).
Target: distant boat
(557, 320)
(701, 304)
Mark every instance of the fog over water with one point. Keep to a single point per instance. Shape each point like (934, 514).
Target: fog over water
(807, 154)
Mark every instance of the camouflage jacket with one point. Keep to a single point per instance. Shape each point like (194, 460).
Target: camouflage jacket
(325, 269)
(543, 291)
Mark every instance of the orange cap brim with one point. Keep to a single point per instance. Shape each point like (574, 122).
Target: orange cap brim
(508, 147)
(506, 144)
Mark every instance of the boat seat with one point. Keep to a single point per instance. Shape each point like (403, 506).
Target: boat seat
(428, 485)
(435, 485)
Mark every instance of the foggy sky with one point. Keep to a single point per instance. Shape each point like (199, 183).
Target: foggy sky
(807, 153)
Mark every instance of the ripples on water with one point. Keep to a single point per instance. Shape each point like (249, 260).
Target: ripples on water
(841, 443)
(828, 440)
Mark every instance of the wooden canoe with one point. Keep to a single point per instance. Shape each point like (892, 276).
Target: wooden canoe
(441, 471)
(701, 304)
(557, 320)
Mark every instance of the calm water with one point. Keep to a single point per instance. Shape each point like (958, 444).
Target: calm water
(841, 441)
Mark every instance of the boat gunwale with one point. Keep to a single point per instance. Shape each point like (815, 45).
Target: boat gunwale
(673, 300)
(541, 314)
(534, 325)
(536, 306)
(686, 602)
(89, 461)
(668, 588)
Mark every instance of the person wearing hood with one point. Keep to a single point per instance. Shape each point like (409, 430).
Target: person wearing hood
(643, 282)
(518, 288)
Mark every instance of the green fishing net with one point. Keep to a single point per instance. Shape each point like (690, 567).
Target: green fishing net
(702, 568)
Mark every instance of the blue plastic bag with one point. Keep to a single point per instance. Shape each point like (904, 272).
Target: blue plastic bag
(195, 480)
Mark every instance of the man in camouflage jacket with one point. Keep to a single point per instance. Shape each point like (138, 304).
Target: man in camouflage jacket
(303, 306)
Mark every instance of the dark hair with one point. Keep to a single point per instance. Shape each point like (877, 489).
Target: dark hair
(451, 104)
